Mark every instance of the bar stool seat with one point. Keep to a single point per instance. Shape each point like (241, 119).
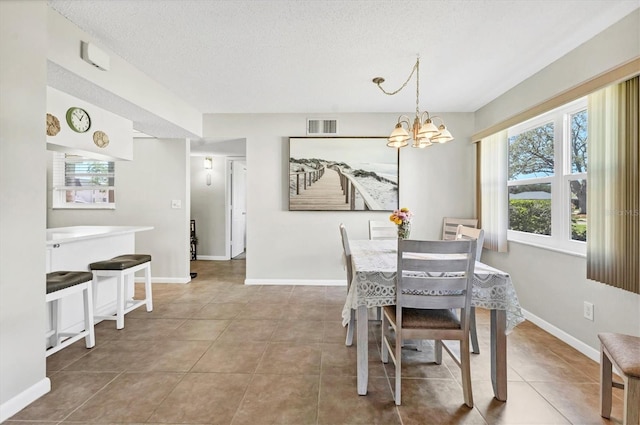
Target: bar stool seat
(61, 284)
(622, 352)
(123, 268)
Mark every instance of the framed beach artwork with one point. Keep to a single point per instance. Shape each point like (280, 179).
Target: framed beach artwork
(342, 174)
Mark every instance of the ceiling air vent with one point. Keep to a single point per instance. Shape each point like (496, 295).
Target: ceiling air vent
(316, 127)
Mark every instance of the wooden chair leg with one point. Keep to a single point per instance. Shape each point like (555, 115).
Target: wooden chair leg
(398, 359)
(473, 332)
(605, 384)
(465, 366)
(384, 352)
(631, 401)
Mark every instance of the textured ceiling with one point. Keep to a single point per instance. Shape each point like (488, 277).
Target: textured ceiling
(319, 56)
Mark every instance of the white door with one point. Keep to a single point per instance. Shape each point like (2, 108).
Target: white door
(238, 207)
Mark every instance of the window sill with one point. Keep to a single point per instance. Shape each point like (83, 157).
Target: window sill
(87, 207)
(550, 248)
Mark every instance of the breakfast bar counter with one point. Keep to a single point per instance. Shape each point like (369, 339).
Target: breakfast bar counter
(74, 248)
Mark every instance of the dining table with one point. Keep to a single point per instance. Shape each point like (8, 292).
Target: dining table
(373, 284)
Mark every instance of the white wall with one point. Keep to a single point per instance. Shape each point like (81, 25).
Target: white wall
(119, 129)
(145, 187)
(304, 246)
(123, 79)
(553, 286)
(23, 44)
(208, 207)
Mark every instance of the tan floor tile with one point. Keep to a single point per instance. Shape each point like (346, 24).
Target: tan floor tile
(440, 400)
(140, 329)
(137, 356)
(290, 359)
(524, 405)
(579, 403)
(340, 403)
(131, 397)
(165, 311)
(260, 310)
(202, 329)
(279, 399)
(298, 331)
(249, 330)
(233, 357)
(219, 311)
(211, 398)
(315, 312)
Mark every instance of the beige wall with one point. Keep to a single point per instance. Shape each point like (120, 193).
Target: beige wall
(145, 187)
(23, 44)
(304, 246)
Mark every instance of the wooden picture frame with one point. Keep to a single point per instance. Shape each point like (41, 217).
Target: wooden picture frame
(342, 174)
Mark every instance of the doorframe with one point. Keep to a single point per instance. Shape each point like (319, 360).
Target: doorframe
(227, 201)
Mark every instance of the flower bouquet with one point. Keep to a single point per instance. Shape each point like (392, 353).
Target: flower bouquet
(402, 218)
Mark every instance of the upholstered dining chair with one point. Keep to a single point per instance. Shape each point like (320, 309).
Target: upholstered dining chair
(382, 230)
(450, 226)
(434, 280)
(347, 260)
(467, 233)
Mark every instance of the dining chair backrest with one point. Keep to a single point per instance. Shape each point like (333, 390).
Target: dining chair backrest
(382, 230)
(347, 253)
(435, 275)
(466, 233)
(450, 226)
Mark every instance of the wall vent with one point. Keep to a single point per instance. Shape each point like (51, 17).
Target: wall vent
(319, 127)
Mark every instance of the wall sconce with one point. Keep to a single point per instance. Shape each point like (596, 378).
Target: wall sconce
(208, 165)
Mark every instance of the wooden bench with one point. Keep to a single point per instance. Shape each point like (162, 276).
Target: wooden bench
(623, 353)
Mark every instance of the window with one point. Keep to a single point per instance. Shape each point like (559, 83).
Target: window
(80, 182)
(547, 179)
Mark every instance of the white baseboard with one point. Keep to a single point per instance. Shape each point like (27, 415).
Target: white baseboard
(297, 282)
(585, 349)
(212, 257)
(25, 398)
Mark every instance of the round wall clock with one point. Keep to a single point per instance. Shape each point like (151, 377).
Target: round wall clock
(101, 139)
(78, 119)
(53, 125)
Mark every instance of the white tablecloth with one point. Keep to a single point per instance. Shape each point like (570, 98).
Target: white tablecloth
(374, 273)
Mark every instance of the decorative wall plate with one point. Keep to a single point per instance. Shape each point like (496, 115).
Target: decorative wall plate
(53, 125)
(101, 139)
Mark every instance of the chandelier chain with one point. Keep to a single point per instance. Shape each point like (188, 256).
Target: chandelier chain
(416, 70)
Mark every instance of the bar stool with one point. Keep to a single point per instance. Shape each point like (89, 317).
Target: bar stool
(123, 268)
(622, 352)
(59, 285)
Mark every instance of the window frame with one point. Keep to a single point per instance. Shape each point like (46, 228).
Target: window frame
(59, 190)
(560, 238)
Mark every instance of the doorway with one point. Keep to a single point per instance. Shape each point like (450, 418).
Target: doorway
(237, 207)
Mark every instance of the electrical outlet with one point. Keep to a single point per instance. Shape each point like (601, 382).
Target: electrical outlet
(588, 310)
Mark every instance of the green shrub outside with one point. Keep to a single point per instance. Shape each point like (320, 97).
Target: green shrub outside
(530, 215)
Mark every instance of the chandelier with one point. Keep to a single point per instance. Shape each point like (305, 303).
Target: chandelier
(423, 131)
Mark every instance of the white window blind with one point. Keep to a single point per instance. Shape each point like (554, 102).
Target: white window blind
(80, 182)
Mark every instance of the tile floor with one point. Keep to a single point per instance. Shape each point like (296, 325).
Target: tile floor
(215, 351)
